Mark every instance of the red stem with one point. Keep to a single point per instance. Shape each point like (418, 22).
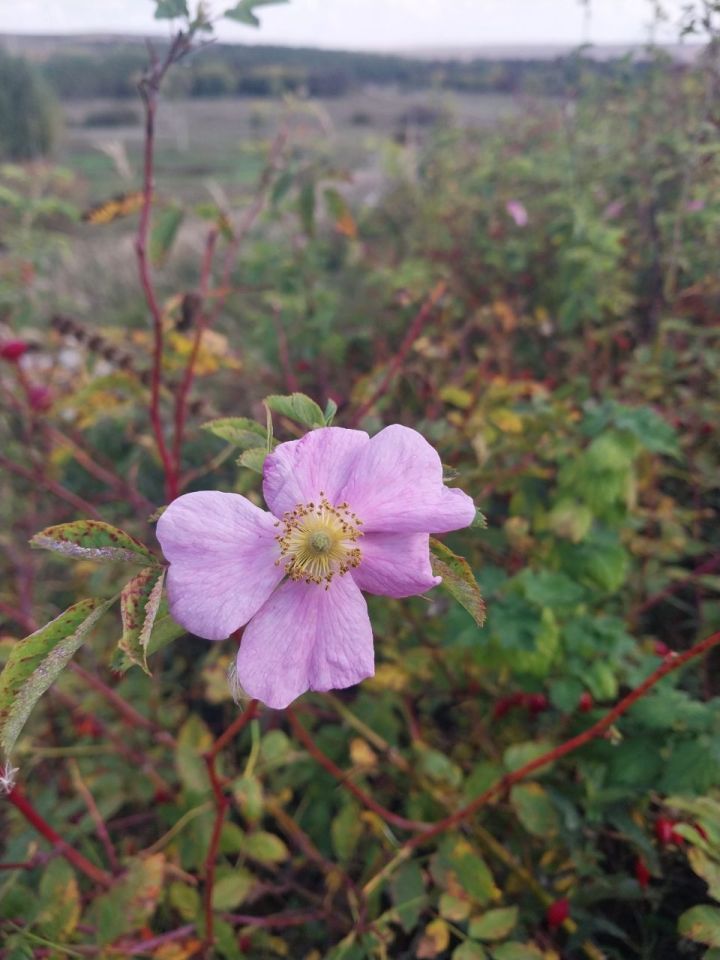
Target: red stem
(426, 831)
(189, 373)
(413, 332)
(23, 805)
(364, 798)
(221, 805)
(671, 663)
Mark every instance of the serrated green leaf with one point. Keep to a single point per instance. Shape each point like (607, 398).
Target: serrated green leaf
(130, 903)
(457, 579)
(701, 924)
(407, 889)
(241, 431)
(93, 540)
(253, 459)
(517, 951)
(534, 809)
(494, 925)
(265, 847)
(297, 407)
(36, 662)
(230, 891)
(164, 232)
(469, 951)
(194, 739)
(59, 901)
(243, 11)
(139, 603)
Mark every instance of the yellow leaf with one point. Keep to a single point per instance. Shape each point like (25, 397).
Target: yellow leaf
(362, 754)
(508, 421)
(389, 676)
(435, 939)
(457, 397)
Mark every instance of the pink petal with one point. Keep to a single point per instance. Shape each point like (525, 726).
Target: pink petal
(298, 470)
(306, 638)
(396, 486)
(222, 554)
(395, 564)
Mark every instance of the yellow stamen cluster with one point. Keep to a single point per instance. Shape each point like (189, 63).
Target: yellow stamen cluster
(318, 541)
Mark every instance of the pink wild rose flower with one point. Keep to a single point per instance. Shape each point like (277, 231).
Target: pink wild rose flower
(348, 513)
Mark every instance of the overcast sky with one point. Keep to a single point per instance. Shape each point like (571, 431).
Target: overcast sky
(367, 24)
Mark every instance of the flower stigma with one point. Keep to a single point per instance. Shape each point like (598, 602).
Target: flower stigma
(319, 541)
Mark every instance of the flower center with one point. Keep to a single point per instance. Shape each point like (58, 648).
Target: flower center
(318, 541)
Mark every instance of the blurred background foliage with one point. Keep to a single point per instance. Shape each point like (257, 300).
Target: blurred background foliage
(566, 371)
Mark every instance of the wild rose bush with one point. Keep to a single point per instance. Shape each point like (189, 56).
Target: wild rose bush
(533, 313)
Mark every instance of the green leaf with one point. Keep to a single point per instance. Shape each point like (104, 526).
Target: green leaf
(243, 12)
(457, 579)
(93, 540)
(131, 901)
(345, 831)
(170, 9)
(36, 662)
(534, 809)
(139, 603)
(253, 459)
(469, 951)
(708, 869)
(241, 431)
(230, 891)
(194, 739)
(495, 924)
(164, 232)
(517, 951)
(265, 847)
(248, 795)
(59, 901)
(297, 407)
(330, 411)
(701, 924)
(407, 889)
(185, 899)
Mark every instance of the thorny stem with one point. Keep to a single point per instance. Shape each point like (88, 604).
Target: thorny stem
(221, 805)
(23, 806)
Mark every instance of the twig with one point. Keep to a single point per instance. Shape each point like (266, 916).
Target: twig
(34, 477)
(95, 814)
(413, 332)
(23, 805)
(332, 768)
(125, 709)
(221, 805)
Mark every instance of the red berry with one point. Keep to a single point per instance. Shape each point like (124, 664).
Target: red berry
(12, 350)
(536, 702)
(661, 649)
(664, 830)
(642, 874)
(557, 913)
(39, 398)
(585, 703)
(505, 704)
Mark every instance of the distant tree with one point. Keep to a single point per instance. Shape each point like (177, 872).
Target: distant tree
(28, 114)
